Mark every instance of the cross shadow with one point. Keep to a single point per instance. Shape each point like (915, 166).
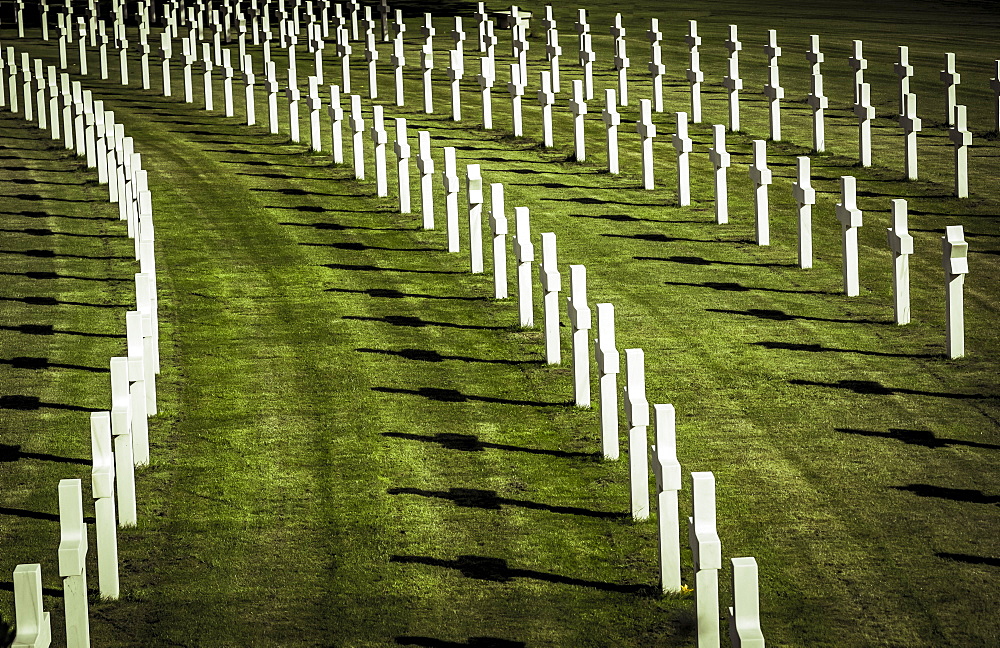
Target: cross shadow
(970, 559)
(8, 586)
(37, 515)
(496, 570)
(52, 301)
(455, 396)
(396, 294)
(41, 214)
(22, 402)
(473, 642)
(588, 200)
(371, 268)
(44, 231)
(56, 275)
(491, 500)
(662, 238)
(626, 218)
(295, 191)
(11, 453)
(471, 443)
(425, 355)
(23, 362)
(48, 329)
(361, 247)
(693, 260)
(819, 348)
(735, 287)
(954, 494)
(924, 438)
(416, 322)
(36, 197)
(781, 316)
(871, 387)
(335, 226)
(50, 254)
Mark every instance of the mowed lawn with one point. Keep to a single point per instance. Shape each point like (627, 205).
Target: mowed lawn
(357, 446)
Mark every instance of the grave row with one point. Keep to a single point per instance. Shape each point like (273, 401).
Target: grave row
(120, 436)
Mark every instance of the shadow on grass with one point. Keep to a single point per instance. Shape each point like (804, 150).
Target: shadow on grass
(56, 275)
(416, 322)
(425, 355)
(663, 238)
(735, 287)
(781, 316)
(11, 453)
(36, 197)
(471, 443)
(371, 268)
(970, 559)
(626, 218)
(953, 494)
(24, 362)
(50, 254)
(359, 247)
(52, 301)
(41, 214)
(587, 200)
(22, 402)
(40, 231)
(873, 388)
(455, 396)
(693, 260)
(48, 329)
(8, 586)
(38, 515)
(334, 226)
(488, 499)
(497, 571)
(924, 438)
(473, 642)
(390, 293)
(819, 348)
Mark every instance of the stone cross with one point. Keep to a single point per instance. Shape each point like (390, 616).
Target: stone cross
(951, 79)
(73, 562)
(486, 79)
(773, 90)
(271, 86)
(121, 429)
(34, 624)
(357, 124)
(379, 138)
(608, 366)
(425, 165)
(859, 64)
(314, 103)
(656, 67)
(249, 79)
(805, 197)
(744, 616)
(865, 113)
(482, 18)
(816, 99)
(995, 86)
(450, 183)
(121, 42)
(498, 227)
(637, 416)
(706, 549)
(721, 161)
(683, 145)
(524, 252)
(578, 107)
(519, 45)
(911, 125)
(293, 95)
(474, 193)
(611, 122)
(140, 374)
(694, 74)
(458, 36)
(760, 176)
(551, 280)
(850, 219)
(398, 58)
(667, 470)
(82, 41)
(546, 98)
(344, 50)
(165, 54)
(456, 71)
(28, 104)
(579, 318)
(427, 62)
(732, 81)
(402, 149)
(227, 84)
(552, 49)
(622, 62)
(336, 113)
(371, 57)
(961, 138)
(516, 89)
(647, 131)
(103, 49)
(586, 53)
(901, 245)
(103, 487)
(904, 71)
(956, 266)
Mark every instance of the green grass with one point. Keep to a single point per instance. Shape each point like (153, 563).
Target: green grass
(320, 477)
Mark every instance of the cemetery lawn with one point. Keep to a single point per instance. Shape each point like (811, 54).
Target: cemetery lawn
(358, 447)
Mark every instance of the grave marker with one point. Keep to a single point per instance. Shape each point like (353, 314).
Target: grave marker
(33, 623)
(271, 86)
(545, 99)
(647, 131)
(850, 219)
(73, 562)
(956, 266)
(706, 549)
(474, 194)
(911, 125)
(357, 123)
(498, 226)
(608, 366)
(904, 71)
(859, 64)
(425, 165)
(427, 62)
(524, 252)
(622, 62)
(294, 95)
(744, 616)
(667, 470)
(103, 487)
(449, 179)
(398, 58)
(551, 280)
(637, 416)
(995, 86)
(816, 99)
(694, 74)
(455, 73)
(773, 90)
(951, 79)
(761, 177)
(611, 122)
(516, 89)
(344, 51)
(578, 107)
(586, 51)
(249, 79)
(552, 49)
(732, 81)
(961, 139)
(314, 103)
(805, 196)
(721, 161)
(121, 429)
(379, 138)
(865, 113)
(402, 149)
(656, 67)
(901, 245)
(336, 113)
(580, 320)
(165, 54)
(683, 145)
(486, 79)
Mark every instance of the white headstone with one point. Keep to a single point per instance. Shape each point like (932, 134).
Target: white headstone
(956, 265)
(315, 104)
(474, 194)
(637, 416)
(773, 90)
(371, 57)
(816, 99)
(580, 320)
(951, 78)
(398, 58)
(379, 138)
(73, 562)
(271, 85)
(656, 67)
(901, 245)
(524, 252)
(336, 113)
(344, 51)
(694, 74)
(611, 122)
(121, 428)
(516, 89)
(551, 280)
(761, 177)
(744, 616)
(721, 161)
(578, 107)
(706, 549)
(683, 145)
(911, 125)
(552, 48)
(647, 131)
(865, 113)
(486, 79)
(850, 219)
(667, 470)
(456, 71)
(498, 227)
(249, 79)
(425, 166)
(805, 197)
(357, 137)
(427, 62)
(450, 183)
(586, 53)
(33, 623)
(961, 139)
(622, 62)
(402, 149)
(103, 487)
(608, 366)
(294, 95)
(859, 64)
(546, 98)
(904, 71)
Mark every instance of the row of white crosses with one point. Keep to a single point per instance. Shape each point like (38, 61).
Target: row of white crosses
(119, 437)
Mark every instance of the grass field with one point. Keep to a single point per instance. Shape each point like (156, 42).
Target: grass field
(358, 447)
